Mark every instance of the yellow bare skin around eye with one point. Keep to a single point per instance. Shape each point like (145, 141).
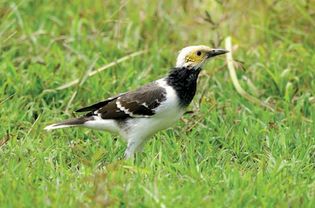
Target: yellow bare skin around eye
(193, 57)
(190, 59)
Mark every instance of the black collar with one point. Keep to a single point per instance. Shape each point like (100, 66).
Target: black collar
(184, 81)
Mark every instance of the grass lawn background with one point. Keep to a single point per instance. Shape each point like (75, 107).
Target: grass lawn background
(228, 153)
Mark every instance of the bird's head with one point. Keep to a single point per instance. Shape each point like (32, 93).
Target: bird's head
(193, 57)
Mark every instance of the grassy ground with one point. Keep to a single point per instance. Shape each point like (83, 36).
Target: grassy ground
(228, 153)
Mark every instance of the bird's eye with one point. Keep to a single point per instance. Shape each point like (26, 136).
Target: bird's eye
(198, 53)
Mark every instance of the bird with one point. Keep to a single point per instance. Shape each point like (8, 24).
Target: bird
(138, 114)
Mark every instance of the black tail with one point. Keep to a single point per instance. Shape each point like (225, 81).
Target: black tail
(68, 123)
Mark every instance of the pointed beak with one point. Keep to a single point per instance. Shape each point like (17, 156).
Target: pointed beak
(216, 52)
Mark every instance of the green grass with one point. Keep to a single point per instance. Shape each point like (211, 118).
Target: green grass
(229, 153)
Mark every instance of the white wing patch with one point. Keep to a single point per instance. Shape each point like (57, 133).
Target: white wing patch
(127, 111)
(122, 108)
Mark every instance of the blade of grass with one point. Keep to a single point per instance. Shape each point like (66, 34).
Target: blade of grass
(92, 73)
(6, 99)
(239, 89)
(83, 79)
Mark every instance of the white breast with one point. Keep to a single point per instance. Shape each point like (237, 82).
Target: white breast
(171, 103)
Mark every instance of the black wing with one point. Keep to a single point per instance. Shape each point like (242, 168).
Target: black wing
(97, 106)
(138, 103)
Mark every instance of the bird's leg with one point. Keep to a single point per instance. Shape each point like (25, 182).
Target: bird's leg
(132, 148)
(140, 146)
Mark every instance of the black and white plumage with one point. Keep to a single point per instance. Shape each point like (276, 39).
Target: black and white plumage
(138, 114)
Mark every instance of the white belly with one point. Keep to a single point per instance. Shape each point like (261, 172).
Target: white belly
(142, 128)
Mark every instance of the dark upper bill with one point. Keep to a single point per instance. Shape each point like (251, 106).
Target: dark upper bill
(216, 52)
